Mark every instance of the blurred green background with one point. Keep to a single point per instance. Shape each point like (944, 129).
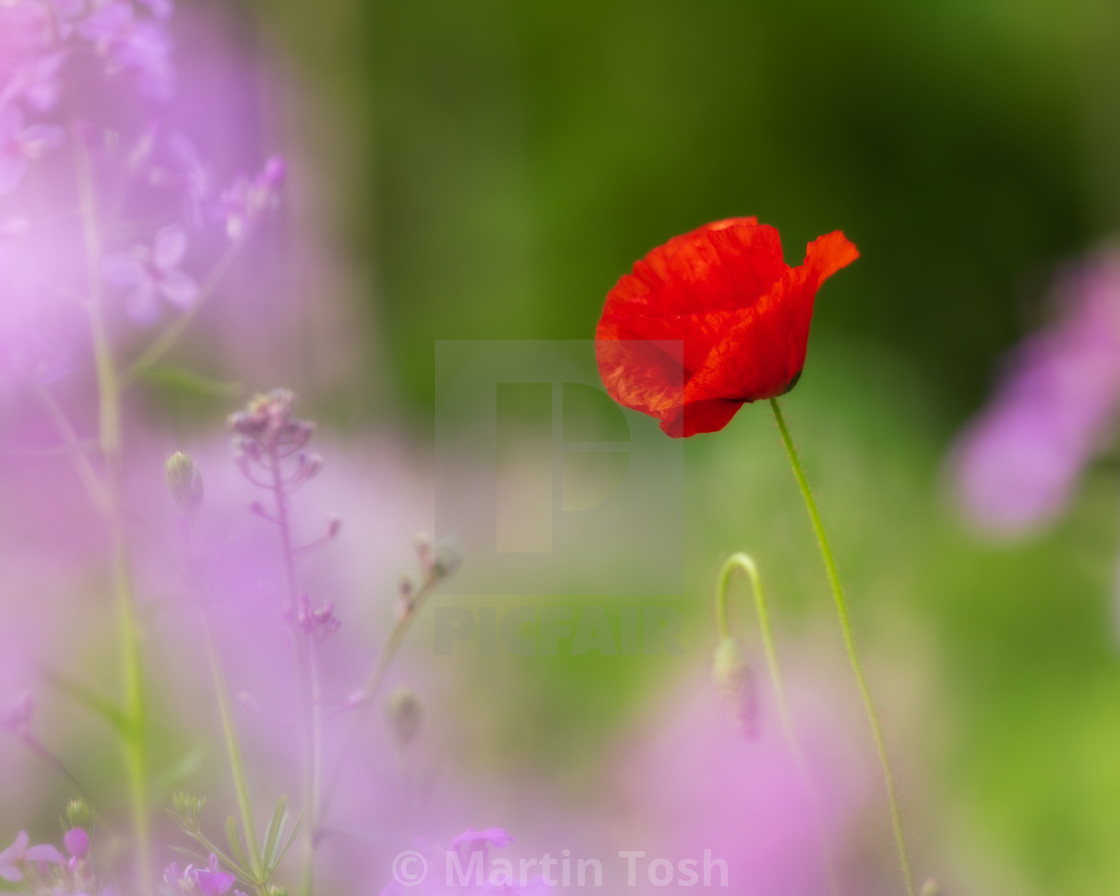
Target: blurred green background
(498, 165)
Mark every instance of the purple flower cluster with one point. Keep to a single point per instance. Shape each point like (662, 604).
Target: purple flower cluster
(1016, 464)
(206, 880)
(78, 130)
(44, 871)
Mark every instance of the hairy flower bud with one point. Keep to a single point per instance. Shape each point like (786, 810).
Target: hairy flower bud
(404, 714)
(931, 888)
(734, 680)
(188, 809)
(77, 814)
(184, 482)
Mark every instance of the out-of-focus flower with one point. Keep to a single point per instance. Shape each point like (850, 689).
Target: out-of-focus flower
(464, 867)
(697, 783)
(149, 274)
(21, 144)
(209, 880)
(248, 197)
(19, 853)
(35, 82)
(130, 45)
(76, 841)
(319, 621)
(711, 320)
(18, 716)
(1015, 465)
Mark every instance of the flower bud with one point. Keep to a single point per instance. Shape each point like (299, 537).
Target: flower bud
(404, 714)
(931, 888)
(734, 680)
(77, 814)
(446, 561)
(184, 482)
(188, 808)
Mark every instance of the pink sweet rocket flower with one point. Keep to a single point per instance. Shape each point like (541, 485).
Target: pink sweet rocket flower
(139, 48)
(76, 841)
(20, 853)
(693, 781)
(35, 82)
(150, 274)
(318, 622)
(20, 145)
(210, 880)
(247, 198)
(1016, 464)
(19, 714)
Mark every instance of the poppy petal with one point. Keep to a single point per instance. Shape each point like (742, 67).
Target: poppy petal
(711, 320)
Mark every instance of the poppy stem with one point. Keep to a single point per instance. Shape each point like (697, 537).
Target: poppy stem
(747, 565)
(850, 645)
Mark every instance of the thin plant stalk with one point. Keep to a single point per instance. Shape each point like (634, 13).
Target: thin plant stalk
(746, 564)
(308, 676)
(135, 733)
(850, 646)
(369, 692)
(233, 747)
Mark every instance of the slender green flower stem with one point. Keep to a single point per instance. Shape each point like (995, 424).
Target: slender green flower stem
(233, 748)
(747, 565)
(850, 645)
(109, 403)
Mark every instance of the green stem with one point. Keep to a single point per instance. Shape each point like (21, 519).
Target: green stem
(745, 563)
(233, 748)
(108, 388)
(850, 645)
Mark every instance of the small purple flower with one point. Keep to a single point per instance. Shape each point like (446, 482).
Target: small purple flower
(133, 46)
(191, 881)
(316, 621)
(76, 841)
(17, 718)
(36, 82)
(212, 881)
(193, 174)
(20, 145)
(149, 274)
(247, 198)
(19, 853)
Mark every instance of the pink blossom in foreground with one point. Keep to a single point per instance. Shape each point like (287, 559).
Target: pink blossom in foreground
(19, 854)
(694, 782)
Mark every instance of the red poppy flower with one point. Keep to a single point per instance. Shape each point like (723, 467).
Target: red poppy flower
(711, 320)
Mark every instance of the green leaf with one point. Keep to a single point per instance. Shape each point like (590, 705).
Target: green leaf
(291, 840)
(96, 703)
(181, 770)
(235, 845)
(275, 830)
(182, 380)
